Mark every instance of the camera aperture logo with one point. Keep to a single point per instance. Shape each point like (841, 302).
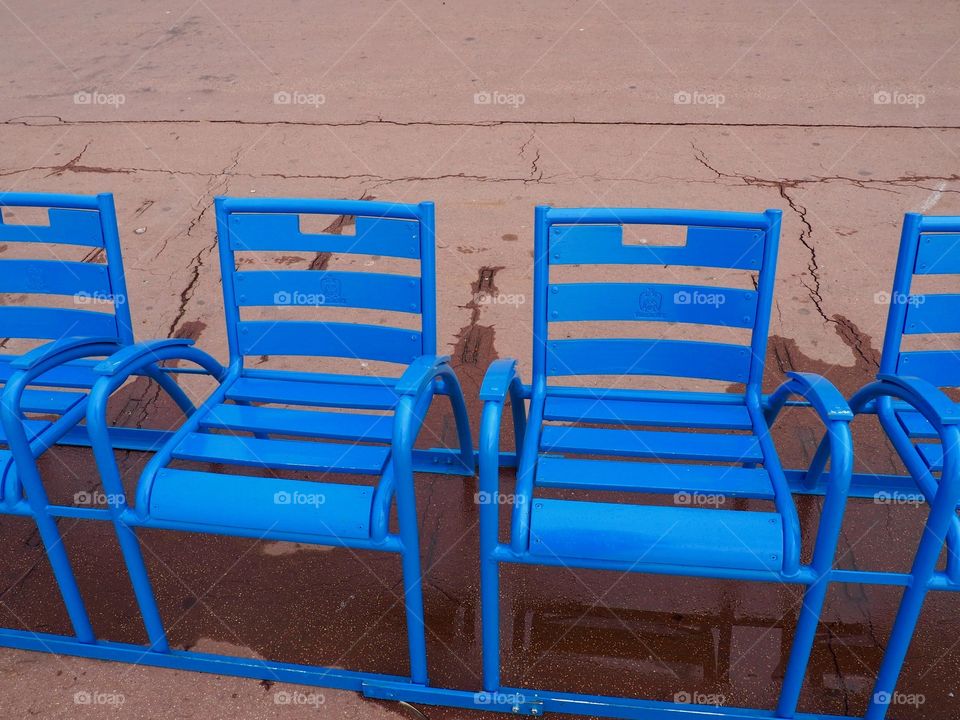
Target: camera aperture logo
(295, 297)
(97, 498)
(698, 297)
(898, 298)
(498, 498)
(282, 497)
(895, 497)
(699, 698)
(95, 97)
(515, 700)
(898, 698)
(295, 97)
(698, 97)
(699, 499)
(495, 97)
(93, 697)
(98, 298)
(896, 97)
(291, 697)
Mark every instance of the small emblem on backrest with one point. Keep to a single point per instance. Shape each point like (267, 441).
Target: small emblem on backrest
(650, 302)
(36, 280)
(330, 287)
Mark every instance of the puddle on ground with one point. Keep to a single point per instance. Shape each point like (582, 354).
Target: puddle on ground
(588, 631)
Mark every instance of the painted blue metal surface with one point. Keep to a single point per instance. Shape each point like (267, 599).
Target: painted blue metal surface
(696, 541)
(911, 406)
(744, 545)
(75, 334)
(229, 501)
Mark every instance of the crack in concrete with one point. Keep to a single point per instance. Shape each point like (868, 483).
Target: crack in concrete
(196, 262)
(28, 120)
(864, 184)
(380, 180)
(71, 164)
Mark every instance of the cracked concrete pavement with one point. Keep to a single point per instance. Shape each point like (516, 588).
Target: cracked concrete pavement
(842, 115)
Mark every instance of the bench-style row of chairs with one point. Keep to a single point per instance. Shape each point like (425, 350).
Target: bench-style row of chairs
(234, 464)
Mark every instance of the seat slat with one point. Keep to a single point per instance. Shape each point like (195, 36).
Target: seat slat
(655, 302)
(588, 244)
(691, 537)
(938, 253)
(49, 401)
(55, 277)
(932, 454)
(651, 444)
(932, 314)
(273, 505)
(45, 323)
(67, 227)
(281, 232)
(940, 367)
(916, 425)
(320, 394)
(377, 291)
(76, 374)
(329, 339)
(33, 429)
(308, 423)
(673, 358)
(653, 477)
(283, 454)
(647, 412)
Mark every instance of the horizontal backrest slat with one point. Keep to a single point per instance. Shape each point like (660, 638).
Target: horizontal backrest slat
(938, 254)
(674, 358)
(377, 291)
(329, 339)
(735, 248)
(41, 323)
(67, 227)
(932, 314)
(940, 367)
(55, 277)
(653, 302)
(281, 232)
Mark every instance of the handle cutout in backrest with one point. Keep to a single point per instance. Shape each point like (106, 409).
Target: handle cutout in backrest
(733, 248)
(283, 232)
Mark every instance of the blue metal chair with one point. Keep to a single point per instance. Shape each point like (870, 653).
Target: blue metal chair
(234, 428)
(694, 541)
(53, 378)
(921, 422)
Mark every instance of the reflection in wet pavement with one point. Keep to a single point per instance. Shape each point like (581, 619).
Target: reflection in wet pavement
(574, 630)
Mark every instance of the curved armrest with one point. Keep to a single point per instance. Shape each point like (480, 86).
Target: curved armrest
(925, 395)
(420, 373)
(822, 395)
(496, 382)
(64, 346)
(119, 362)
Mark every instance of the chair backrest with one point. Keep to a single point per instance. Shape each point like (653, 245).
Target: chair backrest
(383, 229)
(95, 282)
(929, 245)
(727, 240)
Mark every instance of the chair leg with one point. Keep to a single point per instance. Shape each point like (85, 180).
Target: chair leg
(801, 647)
(410, 557)
(908, 614)
(142, 588)
(490, 622)
(63, 572)
(29, 474)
